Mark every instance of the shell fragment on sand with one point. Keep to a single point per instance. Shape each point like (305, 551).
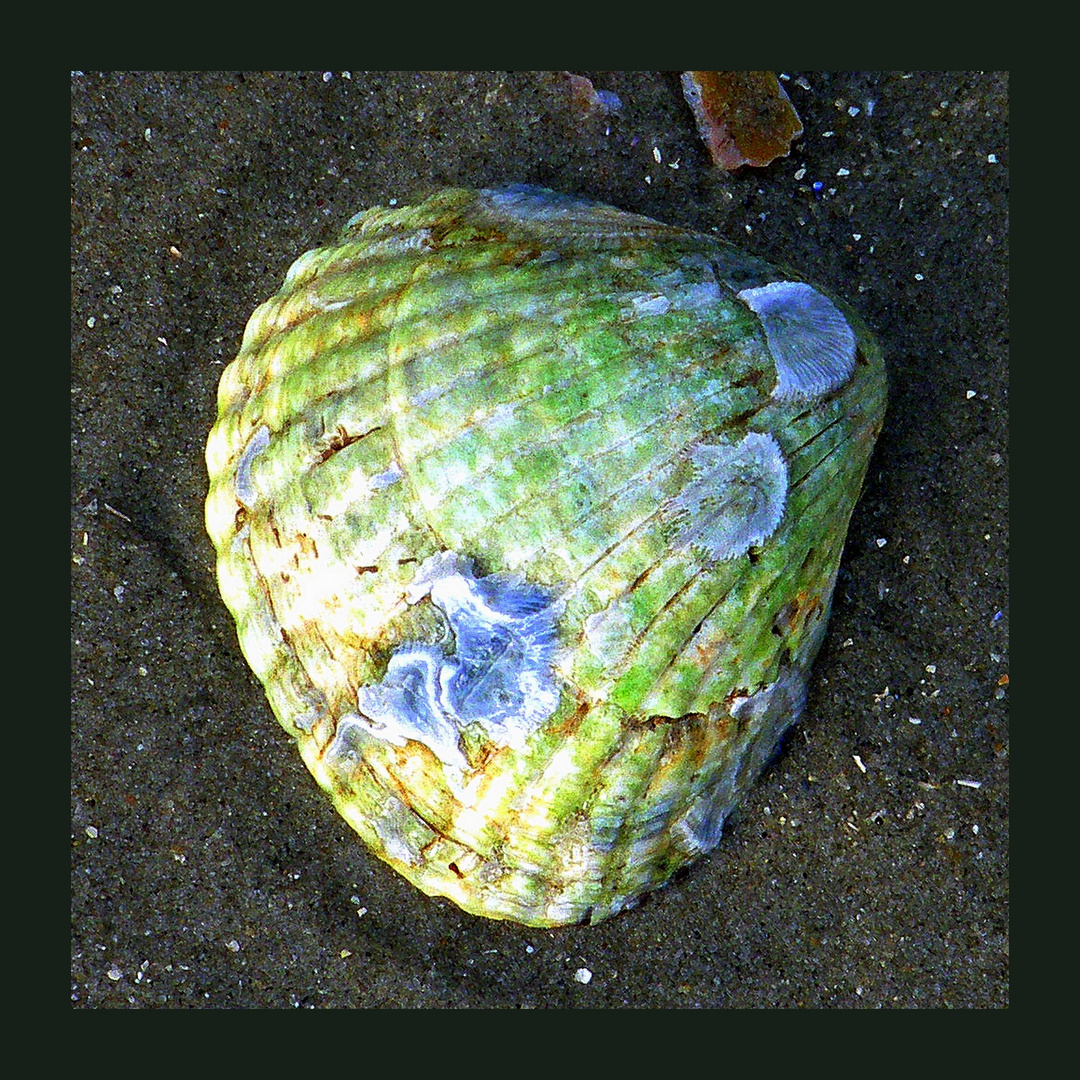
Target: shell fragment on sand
(743, 117)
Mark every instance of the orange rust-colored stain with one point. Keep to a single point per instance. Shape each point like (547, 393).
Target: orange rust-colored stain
(706, 653)
(735, 695)
(338, 441)
(796, 612)
(484, 755)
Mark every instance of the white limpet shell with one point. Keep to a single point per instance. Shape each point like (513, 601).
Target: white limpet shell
(736, 499)
(810, 340)
(529, 512)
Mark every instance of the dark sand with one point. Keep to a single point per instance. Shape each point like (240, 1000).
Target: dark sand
(207, 867)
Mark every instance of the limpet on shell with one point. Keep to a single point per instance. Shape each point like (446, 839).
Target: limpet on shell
(529, 511)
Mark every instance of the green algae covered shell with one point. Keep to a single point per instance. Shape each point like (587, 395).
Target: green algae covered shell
(529, 512)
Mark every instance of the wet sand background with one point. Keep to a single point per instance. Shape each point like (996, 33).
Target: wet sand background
(869, 868)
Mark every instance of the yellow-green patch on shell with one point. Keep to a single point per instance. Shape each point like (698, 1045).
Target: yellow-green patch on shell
(529, 512)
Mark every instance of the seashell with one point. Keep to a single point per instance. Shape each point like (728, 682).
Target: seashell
(529, 512)
(743, 117)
